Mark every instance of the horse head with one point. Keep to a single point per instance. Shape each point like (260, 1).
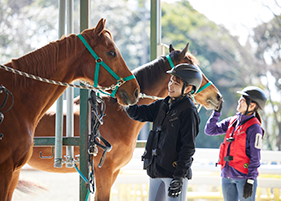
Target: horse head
(109, 68)
(210, 98)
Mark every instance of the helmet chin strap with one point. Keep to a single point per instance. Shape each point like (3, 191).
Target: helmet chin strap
(248, 112)
(182, 93)
(183, 88)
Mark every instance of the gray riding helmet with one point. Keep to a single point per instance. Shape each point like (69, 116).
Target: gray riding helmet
(255, 94)
(189, 73)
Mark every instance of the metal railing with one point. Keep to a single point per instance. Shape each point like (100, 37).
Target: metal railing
(132, 182)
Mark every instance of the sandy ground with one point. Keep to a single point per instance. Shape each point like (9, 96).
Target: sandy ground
(59, 186)
(205, 177)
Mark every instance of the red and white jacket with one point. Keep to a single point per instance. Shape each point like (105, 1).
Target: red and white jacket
(233, 148)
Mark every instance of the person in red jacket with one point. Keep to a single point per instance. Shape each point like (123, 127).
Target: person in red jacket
(240, 151)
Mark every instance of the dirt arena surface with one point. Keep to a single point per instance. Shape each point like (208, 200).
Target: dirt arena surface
(59, 186)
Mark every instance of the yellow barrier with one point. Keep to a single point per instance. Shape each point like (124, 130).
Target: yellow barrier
(130, 192)
(272, 194)
(132, 181)
(139, 192)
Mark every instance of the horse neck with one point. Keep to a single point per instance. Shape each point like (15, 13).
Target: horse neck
(153, 79)
(38, 96)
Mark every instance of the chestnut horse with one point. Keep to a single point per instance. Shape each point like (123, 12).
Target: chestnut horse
(118, 128)
(64, 60)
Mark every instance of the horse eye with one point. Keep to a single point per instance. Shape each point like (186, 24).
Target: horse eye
(112, 53)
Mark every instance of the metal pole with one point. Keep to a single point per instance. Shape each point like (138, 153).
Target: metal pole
(69, 94)
(59, 113)
(158, 29)
(155, 32)
(153, 29)
(84, 94)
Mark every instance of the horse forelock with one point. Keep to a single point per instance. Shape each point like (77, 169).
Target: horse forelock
(106, 37)
(106, 32)
(150, 74)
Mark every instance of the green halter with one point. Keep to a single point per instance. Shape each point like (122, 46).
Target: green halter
(170, 61)
(99, 62)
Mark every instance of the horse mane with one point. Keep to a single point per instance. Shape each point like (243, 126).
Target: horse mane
(149, 74)
(43, 61)
(192, 59)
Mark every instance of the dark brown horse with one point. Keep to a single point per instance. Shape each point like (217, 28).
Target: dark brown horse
(64, 60)
(118, 128)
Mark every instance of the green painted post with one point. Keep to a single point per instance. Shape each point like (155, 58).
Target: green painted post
(83, 141)
(84, 24)
(50, 141)
(153, 32)
(153, 29)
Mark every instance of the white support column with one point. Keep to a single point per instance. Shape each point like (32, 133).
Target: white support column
(59, 102)
(69, 93)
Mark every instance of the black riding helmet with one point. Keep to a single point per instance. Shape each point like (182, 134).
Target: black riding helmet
(189, 73)
(255, 94)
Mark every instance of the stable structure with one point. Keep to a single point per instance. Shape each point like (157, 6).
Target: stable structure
(81, 141)
(59, 141)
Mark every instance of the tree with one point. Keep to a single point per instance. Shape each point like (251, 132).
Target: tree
(267, 37)
(129, 25)
(224, 61)
(29, 24)
(25, 26)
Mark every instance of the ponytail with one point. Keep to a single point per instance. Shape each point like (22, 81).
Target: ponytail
(248, 102)
(257, 115)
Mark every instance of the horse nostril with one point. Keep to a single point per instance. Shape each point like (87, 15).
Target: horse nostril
(124, 96)
(136, 93)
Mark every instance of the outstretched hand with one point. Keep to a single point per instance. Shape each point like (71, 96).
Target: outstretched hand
(219, 108)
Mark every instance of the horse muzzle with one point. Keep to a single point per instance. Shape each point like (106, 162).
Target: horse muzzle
(129, 100)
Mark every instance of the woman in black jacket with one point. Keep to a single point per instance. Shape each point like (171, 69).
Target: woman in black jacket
(171, 142)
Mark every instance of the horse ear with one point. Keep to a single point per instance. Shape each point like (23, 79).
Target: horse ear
(186, 48)
(100, 26)
(184, 51)
(171, 48)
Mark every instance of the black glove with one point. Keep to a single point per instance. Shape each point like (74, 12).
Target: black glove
(248, 188)
(218, 109)
(175, 187)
